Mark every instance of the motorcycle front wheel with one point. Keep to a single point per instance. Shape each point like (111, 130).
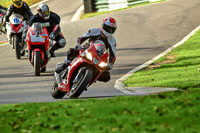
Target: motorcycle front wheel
(82, 83)
(37, 63)
(17, 47)
(56, 93)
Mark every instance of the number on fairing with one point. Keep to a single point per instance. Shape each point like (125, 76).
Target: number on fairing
(16, 20)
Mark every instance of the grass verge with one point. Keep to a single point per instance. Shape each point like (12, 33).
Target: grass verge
(176, 112)
(177, 69)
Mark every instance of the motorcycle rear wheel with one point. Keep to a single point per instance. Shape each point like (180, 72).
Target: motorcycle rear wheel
(56, 93)
(82, 83)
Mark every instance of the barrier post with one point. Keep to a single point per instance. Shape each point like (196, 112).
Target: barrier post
(89, 6)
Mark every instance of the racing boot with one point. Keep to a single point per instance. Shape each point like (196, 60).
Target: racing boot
(9, 40)
(58, 78)
(59, 69)
(52, 53)
(56, 46)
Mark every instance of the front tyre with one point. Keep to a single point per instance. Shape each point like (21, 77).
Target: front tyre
(56, 93)
(37, 63)
(82, 83)
(17, 47)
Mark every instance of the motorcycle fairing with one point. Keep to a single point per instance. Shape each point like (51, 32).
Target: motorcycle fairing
(16, 24)
(41, 39)
(71, 68)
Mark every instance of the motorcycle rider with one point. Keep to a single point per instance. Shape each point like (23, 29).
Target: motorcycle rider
(18, 7)
(104, 34)
(51, 21)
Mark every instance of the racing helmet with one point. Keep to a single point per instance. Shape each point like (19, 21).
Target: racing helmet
(43, 11)
(17, 3)
(109, 26)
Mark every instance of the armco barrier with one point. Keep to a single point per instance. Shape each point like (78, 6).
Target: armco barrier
(110, 5)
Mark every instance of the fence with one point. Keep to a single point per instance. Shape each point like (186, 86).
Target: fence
(110, 5)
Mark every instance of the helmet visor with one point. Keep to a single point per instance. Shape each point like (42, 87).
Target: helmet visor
(109, 29)
(45, 14)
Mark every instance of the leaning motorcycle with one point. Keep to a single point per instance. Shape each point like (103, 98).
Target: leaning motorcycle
(38, 46)
(83, 71)
(15, 28)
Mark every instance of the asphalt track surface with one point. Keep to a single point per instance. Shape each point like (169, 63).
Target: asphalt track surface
(143, 33)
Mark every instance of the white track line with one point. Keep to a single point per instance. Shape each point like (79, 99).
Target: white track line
(119, 82)
(78, 14)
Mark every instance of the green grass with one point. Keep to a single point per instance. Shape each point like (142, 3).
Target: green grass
(182, 74)
(88, 15)
(176, 112)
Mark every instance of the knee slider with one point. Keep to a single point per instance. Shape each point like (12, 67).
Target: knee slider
(59, 67)
(62, 43)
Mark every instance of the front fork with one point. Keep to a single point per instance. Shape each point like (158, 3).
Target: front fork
(10, 37)
(60, 76)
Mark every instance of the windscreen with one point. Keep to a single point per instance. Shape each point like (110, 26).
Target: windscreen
(36, 27)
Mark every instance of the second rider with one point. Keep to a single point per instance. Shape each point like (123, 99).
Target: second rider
(51, 21)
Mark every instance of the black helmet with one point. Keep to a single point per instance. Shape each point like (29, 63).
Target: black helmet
(109, 26)
(43, 11)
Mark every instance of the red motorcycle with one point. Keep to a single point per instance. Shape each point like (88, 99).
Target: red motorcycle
(38, 44)
(83, 71)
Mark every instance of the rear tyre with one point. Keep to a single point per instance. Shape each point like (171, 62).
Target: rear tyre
(37, 63)
(56, 93)
(82, 84)
(17, 47)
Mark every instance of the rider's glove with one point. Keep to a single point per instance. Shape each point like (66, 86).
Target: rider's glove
(52, 36)
(78, 47)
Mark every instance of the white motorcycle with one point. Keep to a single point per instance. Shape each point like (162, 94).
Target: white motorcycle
(15, 28)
